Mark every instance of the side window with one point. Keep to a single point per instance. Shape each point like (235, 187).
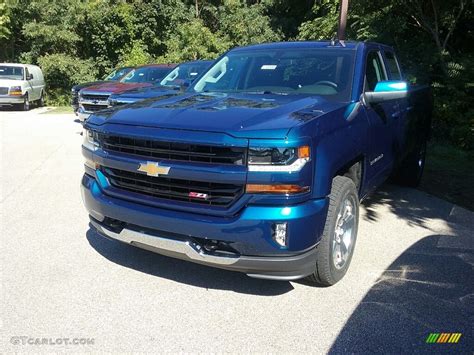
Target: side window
(27, 73)
(374, 71)
(393, 66)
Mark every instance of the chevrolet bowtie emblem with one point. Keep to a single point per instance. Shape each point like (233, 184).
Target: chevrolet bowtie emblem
(153, 169)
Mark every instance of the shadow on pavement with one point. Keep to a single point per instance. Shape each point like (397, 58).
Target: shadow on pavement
(414, 206)
(428, 289)
(10, 108)
(183, 271)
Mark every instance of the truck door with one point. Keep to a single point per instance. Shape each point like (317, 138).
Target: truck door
(382, 124)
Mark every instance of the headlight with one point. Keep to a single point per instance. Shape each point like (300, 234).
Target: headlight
(90, 141)
(15, 90)
(111, 102)
(278, 159)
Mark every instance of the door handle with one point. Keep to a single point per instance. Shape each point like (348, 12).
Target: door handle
(396, 114)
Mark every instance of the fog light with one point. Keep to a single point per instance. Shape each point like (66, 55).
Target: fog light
(279, 233)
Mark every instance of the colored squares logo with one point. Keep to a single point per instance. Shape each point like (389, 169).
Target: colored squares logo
(443, 338)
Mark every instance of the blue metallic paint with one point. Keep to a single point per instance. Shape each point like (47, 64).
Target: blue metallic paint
(249, 232)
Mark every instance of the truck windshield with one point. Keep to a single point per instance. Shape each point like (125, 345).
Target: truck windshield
(320, 71)
(11, 73)
(183, 73)
(146, 75)
(117, 74)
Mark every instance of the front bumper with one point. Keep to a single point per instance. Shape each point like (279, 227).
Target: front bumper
(182, 235)
(11, 100)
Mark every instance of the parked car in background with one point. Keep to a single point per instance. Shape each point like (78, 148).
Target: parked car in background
(95, 98)
(20, 85)
(116, 75)
(179, 78)
(261, 165)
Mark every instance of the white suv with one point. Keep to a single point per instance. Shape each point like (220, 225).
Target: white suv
(21, 84)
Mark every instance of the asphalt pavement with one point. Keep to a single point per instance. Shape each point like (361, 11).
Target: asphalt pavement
(64, 288)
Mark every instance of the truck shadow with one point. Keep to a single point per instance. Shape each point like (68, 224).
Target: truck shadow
(413, 206)
(428, 289)
(182, 271)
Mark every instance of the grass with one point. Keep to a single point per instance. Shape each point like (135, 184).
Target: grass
(449, 174)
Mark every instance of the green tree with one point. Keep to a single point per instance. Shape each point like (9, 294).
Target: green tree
(244, 25)
(323, 25)
(136, 54)
(192, 41)
(51, 28)
(4, 21)
(61, 72)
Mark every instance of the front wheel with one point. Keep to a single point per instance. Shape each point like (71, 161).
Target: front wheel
(25, 106)
(335, 250)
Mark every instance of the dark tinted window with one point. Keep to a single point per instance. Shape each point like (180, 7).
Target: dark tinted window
(374, 71)
(393, 67)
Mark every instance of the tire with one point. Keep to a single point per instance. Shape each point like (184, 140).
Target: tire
(332, 262)
(41, 100)
(411, 169)
(25, 106)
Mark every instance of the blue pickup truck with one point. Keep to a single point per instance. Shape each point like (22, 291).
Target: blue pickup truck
(260, 166)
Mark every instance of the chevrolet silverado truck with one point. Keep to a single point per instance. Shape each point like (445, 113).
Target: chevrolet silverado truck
(261, 165)
(115, 75)
(181, 76)
(95, 98)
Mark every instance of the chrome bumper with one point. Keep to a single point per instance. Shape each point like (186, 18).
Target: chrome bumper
(266, 267)
(11, 100)
(162, 245)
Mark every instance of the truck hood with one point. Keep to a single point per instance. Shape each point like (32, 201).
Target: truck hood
(147, 92)
(113, 87)
(242, 115)
(84, 85)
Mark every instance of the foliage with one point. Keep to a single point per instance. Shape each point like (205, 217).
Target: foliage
(61, 72)
(4, 21)
(85, 39)
(244, 25)
(193, 40)
(135, 55)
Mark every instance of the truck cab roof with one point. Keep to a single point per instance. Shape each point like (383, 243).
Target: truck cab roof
(310, 44)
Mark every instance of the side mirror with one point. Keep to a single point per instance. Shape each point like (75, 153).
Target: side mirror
(386, 91)
(29, 77)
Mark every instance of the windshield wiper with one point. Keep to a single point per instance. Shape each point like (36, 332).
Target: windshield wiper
(265, 92)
